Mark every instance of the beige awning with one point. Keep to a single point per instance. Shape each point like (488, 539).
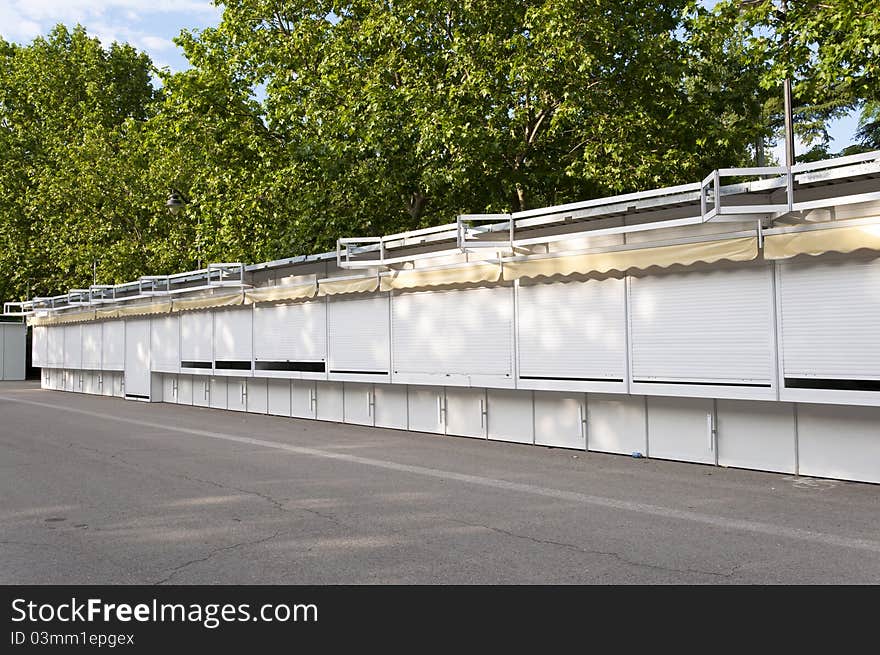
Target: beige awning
(63, 319)
(416, 278)
(286, 292)
(817, 242)
(357, 285)
(739, 249)
(161, 307)
(207, 302)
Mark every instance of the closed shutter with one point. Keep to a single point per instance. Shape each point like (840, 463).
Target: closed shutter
(830, 315)
(113, 346)
(91, 346)
(703, 326)
(165, 343)
(137, 358)
(359, 336)
(73, 346)
(232, 338)
(39, 346)
(573, 331)
(196, 336)
(55, 347)
(291, 334)
(443, 333)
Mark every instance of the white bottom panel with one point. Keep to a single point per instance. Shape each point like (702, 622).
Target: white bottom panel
(330, 401)
(358, 403)
(278, 397)
(46, 378)
(169, 388)
(201, 391)
(680, 429)
(839, 442)
(390, 406)
(302, 399)
(616, 424)
(217, 393)
(559, 420)
(118, 381)
(237, 394)
(756, 435)
(466, 412)
(184, 390)
(257, 396)
(106, 383)
(425, 409)
(90, 382)
(510, 415)
(69, 384)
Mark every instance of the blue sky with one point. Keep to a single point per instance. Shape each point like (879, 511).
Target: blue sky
(150, 25)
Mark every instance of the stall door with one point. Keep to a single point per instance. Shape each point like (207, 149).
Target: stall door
(257, 399)
(359, 403)
(703, 326)
(839, 441)
(426, 411)
(217, 397)
(390, 406)
(466, 412)
(681, 429)
(756, 435)
(573, 331)
(201, 392)
(91, 346)
(278, 397)
(560, 420)
(137, 358)
(165, 343)
(359, 336)
(169, 389)
(510, 415)
(14, 349)
(330, 403)
(118, 384)
(39, 346)
(105, 383)
(73, 346)
(113, 345)
(184, 390)
(616, 424)
(236, 394)
(90, 382)
(196, 337)
(233, 338)
(303, 399)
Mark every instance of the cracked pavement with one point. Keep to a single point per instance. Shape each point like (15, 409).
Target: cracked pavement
(183, 495)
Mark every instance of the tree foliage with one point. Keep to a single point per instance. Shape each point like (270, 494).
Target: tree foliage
(305, 120)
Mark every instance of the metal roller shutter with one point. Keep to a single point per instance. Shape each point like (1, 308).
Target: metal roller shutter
(55, 347)
(137, 358)
(39, 346)
(196, 336)
(291, 333)
(359, 336)
(91, 346)
(112, 346)
(703, 326)
(233, 335)
(165, 343)
(439, 334)
(830, 313)
(573, 331)
(73, 346)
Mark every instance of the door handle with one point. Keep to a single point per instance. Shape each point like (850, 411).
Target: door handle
(582, 416)
(482, 413)
(710, 428)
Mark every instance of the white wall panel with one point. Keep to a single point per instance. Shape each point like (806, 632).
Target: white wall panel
(756, 435)
(137, 357)
(39, 346)
(680, 429)
(201, 391)
(560, 420)
(237, 394)
(91, 346)
(330, 403)
(217, 392)
(454, 336)
(196, 337)
(233, 334)
(425, 409)
(291, 333)
(830, 313)
(73, 346)
(712, 325)
(257, 396)
(573, 330)
(390, 406)
(185, 390)
(303, 399)
(165, 343)
(616, 424)
(169, 389)
(359, 335)
(509, 415)
(278, 397)
(465, 411)
(113, 345)
(839, 442)
(358, 403)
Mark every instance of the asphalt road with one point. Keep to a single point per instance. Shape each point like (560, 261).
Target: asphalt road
(100, 490)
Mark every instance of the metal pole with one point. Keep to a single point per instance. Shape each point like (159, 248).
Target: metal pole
(786, 85)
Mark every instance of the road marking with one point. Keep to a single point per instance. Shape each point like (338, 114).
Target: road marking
(755, 527)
